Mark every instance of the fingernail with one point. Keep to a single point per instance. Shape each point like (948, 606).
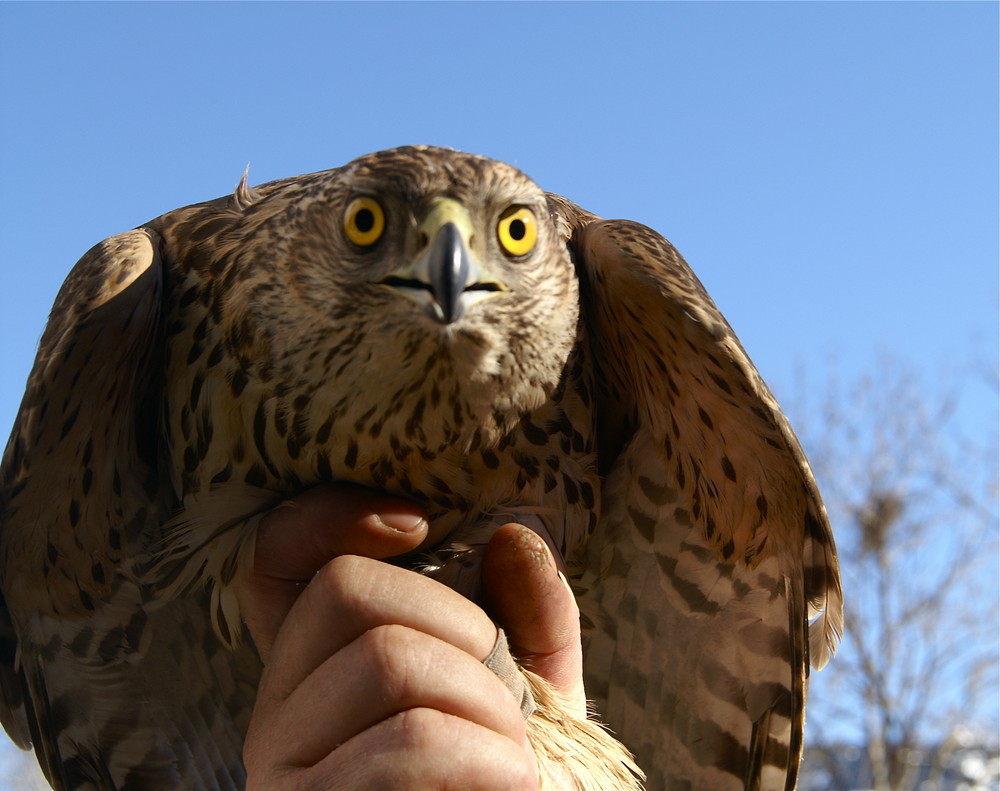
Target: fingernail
(535, 544)
(402, 522)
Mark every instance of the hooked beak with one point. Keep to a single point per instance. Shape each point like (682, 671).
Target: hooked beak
(445, 279)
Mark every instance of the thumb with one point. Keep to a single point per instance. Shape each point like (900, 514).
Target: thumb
(535, 606)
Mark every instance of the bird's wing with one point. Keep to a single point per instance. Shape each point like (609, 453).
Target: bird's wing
(71, 457)
(80, 498)
(712, 578)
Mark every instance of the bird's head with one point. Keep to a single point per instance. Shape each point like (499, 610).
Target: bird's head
(412, 276)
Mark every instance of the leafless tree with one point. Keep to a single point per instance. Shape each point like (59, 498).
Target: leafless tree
(912, 493)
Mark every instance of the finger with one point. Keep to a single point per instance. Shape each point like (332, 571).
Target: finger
(535, 606)
(385, 671)
(428, 750)
(351, 595)
(298, 537)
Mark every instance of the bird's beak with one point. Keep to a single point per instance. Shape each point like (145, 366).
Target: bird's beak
(444, 279)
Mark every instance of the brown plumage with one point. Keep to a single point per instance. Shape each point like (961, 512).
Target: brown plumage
(431, 324)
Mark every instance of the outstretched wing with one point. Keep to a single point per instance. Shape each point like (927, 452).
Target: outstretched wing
(112, 689)
(713, 551)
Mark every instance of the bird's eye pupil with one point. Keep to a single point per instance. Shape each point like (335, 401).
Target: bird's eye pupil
(517, 230)
(364, 220)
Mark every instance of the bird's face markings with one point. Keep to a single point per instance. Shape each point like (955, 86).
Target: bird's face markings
(443, 277)
(457, 243)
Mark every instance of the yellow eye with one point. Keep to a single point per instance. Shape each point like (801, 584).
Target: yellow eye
(517, 230)
(364, 221)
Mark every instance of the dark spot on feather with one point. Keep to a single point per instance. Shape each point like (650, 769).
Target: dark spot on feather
(324, 432)
(690, 592)
(527, 463)
(214, 356)
(570, 490)
(195, 352)
(74, 512)
(351, 454)
(114, 539)
(97, 572)
(196, 389)
(260, 426)
(134, 629)
(655, 493)
(68, 423)
(721, 383)
(727, 468)
(359, 425)
(323, 466)
(224, 474)
(644, 523)
(189, 296)
(256, 476)
(281, 421)
(534, 434)
(704, 417)
(211, 227)
(440, 485)
(237, 382)
(88, 479)
(52, 552)
(80, 644)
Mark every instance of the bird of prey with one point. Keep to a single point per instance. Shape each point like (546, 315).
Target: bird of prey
(430, 324)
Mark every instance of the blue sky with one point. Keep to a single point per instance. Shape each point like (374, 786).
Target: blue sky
(830, 170)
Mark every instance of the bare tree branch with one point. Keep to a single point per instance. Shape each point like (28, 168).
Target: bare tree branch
(913, 501)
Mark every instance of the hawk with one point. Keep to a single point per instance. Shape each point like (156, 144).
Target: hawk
(430, 324)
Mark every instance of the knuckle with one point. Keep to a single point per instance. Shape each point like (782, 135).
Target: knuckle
(423, 729)
(348, 579)
(395, 655)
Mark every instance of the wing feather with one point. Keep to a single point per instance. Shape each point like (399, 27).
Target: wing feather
(165, 704)
(61, 512)
(713, 547)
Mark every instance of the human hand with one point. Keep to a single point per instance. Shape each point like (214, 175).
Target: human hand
(376, 677)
